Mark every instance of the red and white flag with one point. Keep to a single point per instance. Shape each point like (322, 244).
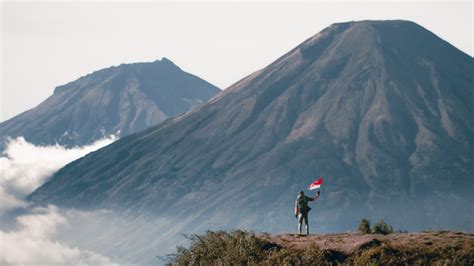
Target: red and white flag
(316, 184)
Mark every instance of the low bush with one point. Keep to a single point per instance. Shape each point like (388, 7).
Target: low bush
(364, 226)
(382, 228)
(379, 228)
(236, 247)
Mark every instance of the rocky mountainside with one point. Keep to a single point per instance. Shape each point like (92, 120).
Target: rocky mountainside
(382, 109)
(117, 100)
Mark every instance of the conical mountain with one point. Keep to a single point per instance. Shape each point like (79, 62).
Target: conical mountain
(382, 109)
(117, 100)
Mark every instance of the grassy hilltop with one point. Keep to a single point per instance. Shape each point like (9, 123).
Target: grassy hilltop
(243, 248)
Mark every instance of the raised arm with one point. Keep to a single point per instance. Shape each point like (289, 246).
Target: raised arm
(316, 196)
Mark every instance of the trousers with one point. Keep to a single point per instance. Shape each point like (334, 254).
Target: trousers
(301, 217)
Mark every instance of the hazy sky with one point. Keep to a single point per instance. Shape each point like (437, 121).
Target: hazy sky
(44, 45)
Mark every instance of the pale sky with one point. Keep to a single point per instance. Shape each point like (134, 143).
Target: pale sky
(47, 44)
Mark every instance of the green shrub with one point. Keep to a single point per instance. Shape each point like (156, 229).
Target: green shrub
(382, 228)
(364, 226)
(237, 247)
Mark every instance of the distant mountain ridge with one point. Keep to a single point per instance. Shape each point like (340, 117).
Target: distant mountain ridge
(382, 109)
(118, 100)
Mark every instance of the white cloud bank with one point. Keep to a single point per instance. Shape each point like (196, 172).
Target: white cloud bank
(23, 168)
(32, 243)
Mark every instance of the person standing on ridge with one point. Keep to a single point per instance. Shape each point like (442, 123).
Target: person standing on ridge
(302, 209)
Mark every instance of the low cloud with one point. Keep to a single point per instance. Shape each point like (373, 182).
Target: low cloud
(25, 166)
(31, 243)
(9, 202)
(32, 239)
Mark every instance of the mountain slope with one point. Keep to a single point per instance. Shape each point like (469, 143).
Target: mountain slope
(382, 109)
(118, 100)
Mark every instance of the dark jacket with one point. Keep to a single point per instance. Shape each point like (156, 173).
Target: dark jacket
(301, 204)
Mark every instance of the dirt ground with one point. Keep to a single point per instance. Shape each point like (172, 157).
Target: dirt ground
(350, 242)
